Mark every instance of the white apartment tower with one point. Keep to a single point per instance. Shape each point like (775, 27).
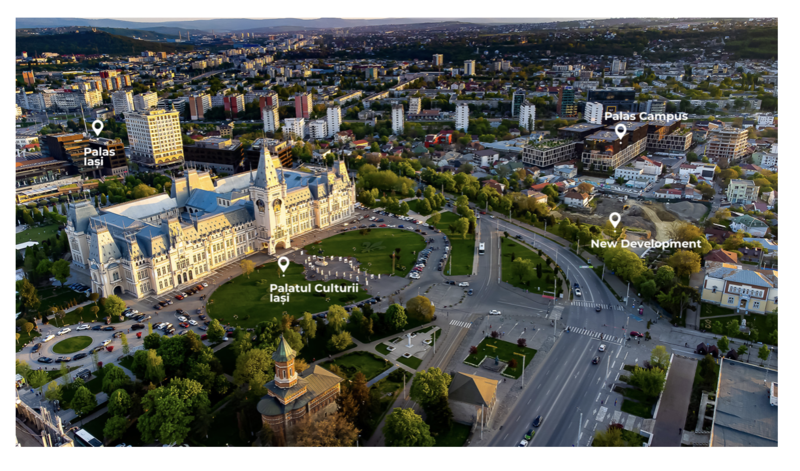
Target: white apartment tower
(462, 117)
(334, 120)
(145, 101)
(270, 116)
(122, 101)
(469, 68)
(397, 119)
(593, 113)
(295, 127)
(618, 67)
(438, 60)
(414, 105)
(155, 137)
(318, 129)
(527, 116)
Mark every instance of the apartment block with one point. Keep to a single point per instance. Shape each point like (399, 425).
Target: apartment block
(742, 192)
(593, 113)
(303, 105)
(604, 151)
(234, 104)
(726, 144)
(270, 116)
(295, 127)
(549, 152)
(145, 101)
(334, 114)
(122, 102)
(469, 68)
(397, 119)
(668, 136)
(414, 105)
(198, 105)
(155, 137)
(318, 129)
(438, 60)
(462, 117)
(527, 116)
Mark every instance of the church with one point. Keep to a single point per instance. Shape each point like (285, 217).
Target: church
(154, 245)
(291, 396)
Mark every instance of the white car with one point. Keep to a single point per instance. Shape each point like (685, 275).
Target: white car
(577, 291)
(83, 327)
(105, 342)
(65, 330)
(193, 322)
(413, 276)
(463, 284)
(48, 338)
(205, 285)
(181, 318)
(523, 443)
(602, 348)
(161, 325)
(494, 312)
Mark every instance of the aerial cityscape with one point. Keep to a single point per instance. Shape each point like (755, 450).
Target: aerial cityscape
(397, 232)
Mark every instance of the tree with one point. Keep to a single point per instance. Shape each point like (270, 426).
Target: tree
(119, 403)
(732, 328)
(395, 317)
(648, 289)
(355, 401)
(659, 357)
(684, 262)
(124, 340)
(309, 326)
(651, 381)
(54, 391)
(38, 378)
(678, 298)
(83, 402)
(435, 218)
(247, 267)
(254, 368)
(611, 437)
(420, 308)
(723, 344)
(114, 306)
(763, 353)
(461, 227)
(114, 378)
(742, 349)
(28, 295)
(429, 386)
(154, 370)
(153, 341)
(522, 343)
(626, 264)
(337, 317)
(340, 341)
(331, 430)
(60, 270)
(115, 428)
(27, 327)
(405, 428)
(215, 332)
(665, 276)
(169, 411)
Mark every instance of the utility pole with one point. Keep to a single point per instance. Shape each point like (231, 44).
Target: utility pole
(627, 293)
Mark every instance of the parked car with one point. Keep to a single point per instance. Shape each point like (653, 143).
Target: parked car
(205, 285)
(470, 292)
(48, 338)
(97, 327)
(36, 348)
(137, 327)
(63, 359)
(44, 360)
(83, 327)
(109, 328)
(63, 331)
(463, 284)
(636, 334)
(158, 307)
(80, 356)
(494, 312)
(179, 297)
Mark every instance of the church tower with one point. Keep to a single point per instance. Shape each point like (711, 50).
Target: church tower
(268, 196)
(285, 374)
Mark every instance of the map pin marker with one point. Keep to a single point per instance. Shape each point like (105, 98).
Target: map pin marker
(97, 126)
(614, 218)
(283, 263)
(621, 129)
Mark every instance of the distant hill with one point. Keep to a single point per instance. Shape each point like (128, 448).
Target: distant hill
(173, 31)
(139, 33)
(93, 43)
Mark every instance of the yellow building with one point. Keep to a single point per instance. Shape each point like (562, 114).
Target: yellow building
(741, 290)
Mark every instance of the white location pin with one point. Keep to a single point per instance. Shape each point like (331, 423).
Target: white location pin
(614, 218)
(97, 126)
(621, 129)
(283, 263)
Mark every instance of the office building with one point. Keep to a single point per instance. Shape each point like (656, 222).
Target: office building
(70, 147)
(566, 108)
(668, 136)
(145, 101)
(334, 120)
(397, 119)
(527, 116)
(155, 137)
(614, 99)
(462, 117)
(549, 152)
(745, 404)
(295, 127)
(414, 105)
(438, 60)
(223, 154)
(318, 129)
(516, 102)
(198, 105)
(593, 113)
(303, 105)
(469, 68)
(234, 105)
(113, 152)
(726, 145)
(122, 102)
(604, 150)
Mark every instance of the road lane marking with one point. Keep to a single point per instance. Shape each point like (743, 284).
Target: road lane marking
(598, 396)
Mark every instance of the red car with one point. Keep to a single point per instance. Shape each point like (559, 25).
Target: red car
(200, 287)
(636, 334)
(203, 337)
(179, 297)
(184, 324)
(382, 225)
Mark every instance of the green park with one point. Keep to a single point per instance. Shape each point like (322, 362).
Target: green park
(505, 352)
(520, 268)
(72, 344)
(462, 249)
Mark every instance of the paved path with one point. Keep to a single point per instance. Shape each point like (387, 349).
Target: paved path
(381, 376)
(671, 414)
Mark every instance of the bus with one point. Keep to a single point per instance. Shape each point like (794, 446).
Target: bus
(482, 249)
(86, 439)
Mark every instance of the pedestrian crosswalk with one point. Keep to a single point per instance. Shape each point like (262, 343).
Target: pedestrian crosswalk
(462, 324)
(628, 422)
(597, 335)
(616, 307)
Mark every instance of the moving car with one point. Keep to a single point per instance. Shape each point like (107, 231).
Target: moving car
(463, 284)
(36, 348)
(602, 348)
(538, 421)
(577, 291)
(79, 356)
(137, 326)
(597, 309)
(470, 292)
(529, 435)
(63, 359)
(65, 330)
(596, 360)
(109, 328)
(494, 312)
(48, 338)
(523, 443)
(636, 334)
(44, 360)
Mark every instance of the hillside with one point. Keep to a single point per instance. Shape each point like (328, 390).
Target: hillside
(93, 43)
(173, 31)
(139, 33)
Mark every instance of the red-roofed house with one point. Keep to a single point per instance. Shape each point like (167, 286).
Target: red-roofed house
(496, 185)
(576, 199)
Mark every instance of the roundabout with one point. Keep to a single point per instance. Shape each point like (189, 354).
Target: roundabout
(72, 345)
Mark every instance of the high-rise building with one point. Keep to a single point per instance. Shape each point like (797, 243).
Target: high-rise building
(618, 67)
(303, 105)
(566, 108)
(593, 113)
(726, 145)
(614, 99)
(122, 102)
(270, 116)
(462, 117)
(414, 105)
(28, 78)
(234, 104)
(198, 105)
(295, 127)
(334, 120)
(113, 152)
(371, 73)
(527, 116)
(268, 100)
(438, 60)
(146, 101)
(155, 137)
(397, 119)
(516, 102)
(318, 129)
(469, 68)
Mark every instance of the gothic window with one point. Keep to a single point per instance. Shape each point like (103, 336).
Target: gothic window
(260, 205)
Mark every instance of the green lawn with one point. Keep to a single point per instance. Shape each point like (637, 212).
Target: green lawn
(505, 351)
(55, 374)
(95, 384)
(709, 310)
(72, 344)
(249, 298)
(25, 338)
(58, 297)
(759, 322)
(127, 362)
(412, 205)
(412, 362)
(462, 250)
(531, 283)
(412, 324)
(374, 248)
(37, 234)
(382, 349)
(382, 395)
(225, 429)
(636, 403)
(456, 436)
(367, 363)
(226, 356)
(132, 436)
